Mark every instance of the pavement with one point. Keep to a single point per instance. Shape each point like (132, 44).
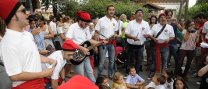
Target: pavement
(191, 80)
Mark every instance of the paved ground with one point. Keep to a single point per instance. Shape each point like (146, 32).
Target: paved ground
(191, 82)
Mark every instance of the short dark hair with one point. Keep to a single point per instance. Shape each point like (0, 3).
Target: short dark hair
(200, 15)
(161, 79)
(32, 18)
(131, 67)
(170, 75)
(138, 11)
(109, 7)
(167, 11)
(100, 80)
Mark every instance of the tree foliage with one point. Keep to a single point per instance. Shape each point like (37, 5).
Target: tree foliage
(97, 8)
(198, 8)
(201, 1)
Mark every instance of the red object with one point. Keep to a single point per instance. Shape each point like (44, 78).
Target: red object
(32, 84)
(78, 82)
(132, 17)
(8, 8)
(118, 49)
(113, 42)
(92, 62)
(206, 40)
(162, 14)
(199, 28)
(158, 46)
(84, 16)
(69, 45)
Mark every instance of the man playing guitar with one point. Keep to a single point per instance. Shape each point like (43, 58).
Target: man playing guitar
(79, 33)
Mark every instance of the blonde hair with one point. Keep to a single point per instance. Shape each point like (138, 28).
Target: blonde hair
(116, 76)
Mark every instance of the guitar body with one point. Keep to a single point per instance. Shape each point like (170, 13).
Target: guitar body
(79, 56)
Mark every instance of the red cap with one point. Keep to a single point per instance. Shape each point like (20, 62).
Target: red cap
(8, 8)
(84, 16)
(78, 82)
(69, 45)
(162, 14)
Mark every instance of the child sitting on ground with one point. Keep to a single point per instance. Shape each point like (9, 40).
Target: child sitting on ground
(102, 82)
(118, 81)
(169, 79)
(179, 83)
(133, 80)
(157, 82)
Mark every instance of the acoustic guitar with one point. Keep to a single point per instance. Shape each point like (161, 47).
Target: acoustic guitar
(79, 56)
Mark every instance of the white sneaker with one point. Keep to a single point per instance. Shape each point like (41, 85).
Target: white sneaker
(198, 83)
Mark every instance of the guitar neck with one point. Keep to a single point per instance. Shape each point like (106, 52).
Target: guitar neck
(93, 46)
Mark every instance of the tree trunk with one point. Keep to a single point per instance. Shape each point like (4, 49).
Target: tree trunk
(180, 10)
(186, 9)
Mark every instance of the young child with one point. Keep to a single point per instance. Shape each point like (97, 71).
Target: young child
(102, 82)
(118, 81)
(133, 80)
(61, 56)
(157, 82)
(169, 79)
(179, 83)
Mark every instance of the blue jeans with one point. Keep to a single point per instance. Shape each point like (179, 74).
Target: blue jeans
(138, 51)
(85, 67)
(111, 55)
(164, 52)
(174, 52)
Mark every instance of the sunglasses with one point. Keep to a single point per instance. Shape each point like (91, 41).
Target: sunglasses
(23, 11)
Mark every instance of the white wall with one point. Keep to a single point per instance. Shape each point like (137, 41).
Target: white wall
(174, 6)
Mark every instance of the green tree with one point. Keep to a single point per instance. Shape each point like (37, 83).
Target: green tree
(97, 8)
(201, 1)
(199, 8)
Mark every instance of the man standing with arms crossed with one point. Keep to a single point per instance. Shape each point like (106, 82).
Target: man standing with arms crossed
(107, 27)
(18, 50)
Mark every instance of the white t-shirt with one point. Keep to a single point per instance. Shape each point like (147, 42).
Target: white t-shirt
(166, 33)
(66, 27)
(53, 27)
(92, 32)
(169, 85)
(120, 26)
(205, 29)
(137, 30)
(151, 84)
(160, 87)
(107, 27)
(78, 34)
(58, 56)
(19, 53)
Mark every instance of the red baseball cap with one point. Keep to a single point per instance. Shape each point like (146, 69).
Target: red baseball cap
(8, 8)
(78, 82)
(69, 45)
(84, 16)
(162, 14)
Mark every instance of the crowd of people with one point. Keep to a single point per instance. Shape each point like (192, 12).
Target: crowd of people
(37, 53)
